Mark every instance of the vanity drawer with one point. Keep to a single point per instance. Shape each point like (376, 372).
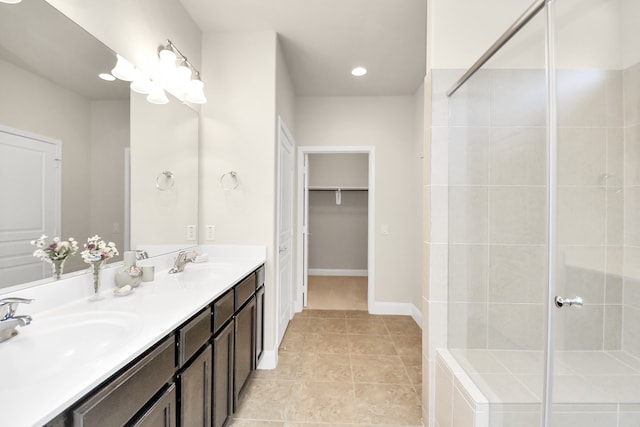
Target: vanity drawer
(245, 290)
(193, 335)
(117, 402)
(223, 309)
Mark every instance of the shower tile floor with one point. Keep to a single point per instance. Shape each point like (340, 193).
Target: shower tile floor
(580, 377)
(340, 368)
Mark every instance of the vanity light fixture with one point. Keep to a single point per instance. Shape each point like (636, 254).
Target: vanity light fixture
(10, 1)
(174, 71)
(359, 71)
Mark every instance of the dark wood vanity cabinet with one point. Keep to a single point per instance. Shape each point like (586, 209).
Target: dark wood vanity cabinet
(259, 351)
(223, 351)
(195, 361)
(195, 376)
(245, 356)
(163, 411)
(195, 390)
(125, 399)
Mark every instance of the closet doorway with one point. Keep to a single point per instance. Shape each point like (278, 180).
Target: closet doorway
(336, 212)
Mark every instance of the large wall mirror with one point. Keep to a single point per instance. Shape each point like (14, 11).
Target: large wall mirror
(78, 155)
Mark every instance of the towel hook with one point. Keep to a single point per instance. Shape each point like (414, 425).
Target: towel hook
(165, 180)
(229, 180)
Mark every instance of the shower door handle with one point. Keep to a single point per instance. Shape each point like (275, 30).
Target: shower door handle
(568, 302)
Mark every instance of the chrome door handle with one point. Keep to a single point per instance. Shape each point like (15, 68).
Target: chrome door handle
(568, 302)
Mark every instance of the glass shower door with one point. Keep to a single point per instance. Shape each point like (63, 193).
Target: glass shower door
(596, 317)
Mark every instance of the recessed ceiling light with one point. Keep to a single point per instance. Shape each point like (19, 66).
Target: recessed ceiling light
(106, 76)
(359, 71)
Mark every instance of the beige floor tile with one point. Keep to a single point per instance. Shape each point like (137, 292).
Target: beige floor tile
(323, 325)
(326, 367)
(298, 324)
(336, 368)
(407, 345)
(366, 326)
(292, 342)
(379, 369)
(391, 415)
(338, 292)
(326, 343)
(255, 423)
(329, 402)
(386, 394)
(371, 344)
(402, 325)
(327, 314)
(287, 369)
(265, 399)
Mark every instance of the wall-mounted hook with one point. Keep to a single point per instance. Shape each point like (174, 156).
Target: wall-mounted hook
(229, 180)
(165, 180)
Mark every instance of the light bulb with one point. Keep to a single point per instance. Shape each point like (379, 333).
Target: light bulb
(157, 95)
(166, 67)
(195, 92)
(124, 70)
(141, 83)
(359, 71)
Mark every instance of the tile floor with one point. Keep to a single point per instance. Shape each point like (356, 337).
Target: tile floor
(339, 368)
(338, 292)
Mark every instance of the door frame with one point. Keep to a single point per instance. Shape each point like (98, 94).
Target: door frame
(300, 267)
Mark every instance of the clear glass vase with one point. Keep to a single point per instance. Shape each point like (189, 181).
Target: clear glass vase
(57, 266)
(96, 268)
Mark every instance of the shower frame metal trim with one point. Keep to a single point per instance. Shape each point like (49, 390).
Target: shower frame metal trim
(527, 16)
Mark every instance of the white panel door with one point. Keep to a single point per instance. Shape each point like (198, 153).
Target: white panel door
(285, 229)
(30, 203)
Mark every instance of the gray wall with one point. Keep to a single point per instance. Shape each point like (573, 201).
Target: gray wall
(338, 238)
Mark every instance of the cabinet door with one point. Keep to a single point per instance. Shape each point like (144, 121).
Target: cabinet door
(259, 325)
(195, 391)
(162, 413)
(223, 375)
(245, 361)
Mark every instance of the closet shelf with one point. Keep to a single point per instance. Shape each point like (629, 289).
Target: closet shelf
(322, 188)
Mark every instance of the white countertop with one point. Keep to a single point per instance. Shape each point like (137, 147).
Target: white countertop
(46, 368)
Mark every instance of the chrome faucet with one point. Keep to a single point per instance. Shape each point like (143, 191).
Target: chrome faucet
(8, 319)
(184, 257)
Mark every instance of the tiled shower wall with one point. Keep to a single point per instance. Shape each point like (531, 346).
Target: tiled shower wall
(489, 140)
(630, 295)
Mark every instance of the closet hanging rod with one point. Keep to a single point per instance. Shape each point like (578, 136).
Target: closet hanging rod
(338, 188)
(527, 16)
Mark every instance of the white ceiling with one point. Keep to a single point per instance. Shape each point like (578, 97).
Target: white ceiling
(323, 40)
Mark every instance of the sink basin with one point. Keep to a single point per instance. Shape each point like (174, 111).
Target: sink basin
(69, 340)
(210, 270)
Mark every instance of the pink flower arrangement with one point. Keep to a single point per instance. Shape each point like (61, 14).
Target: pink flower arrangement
(97, 249)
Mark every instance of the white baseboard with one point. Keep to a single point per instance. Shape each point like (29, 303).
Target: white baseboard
(269, 360)
(397, 308)
(336, 272)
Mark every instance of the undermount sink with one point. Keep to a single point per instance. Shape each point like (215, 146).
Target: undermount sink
(60, 341)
